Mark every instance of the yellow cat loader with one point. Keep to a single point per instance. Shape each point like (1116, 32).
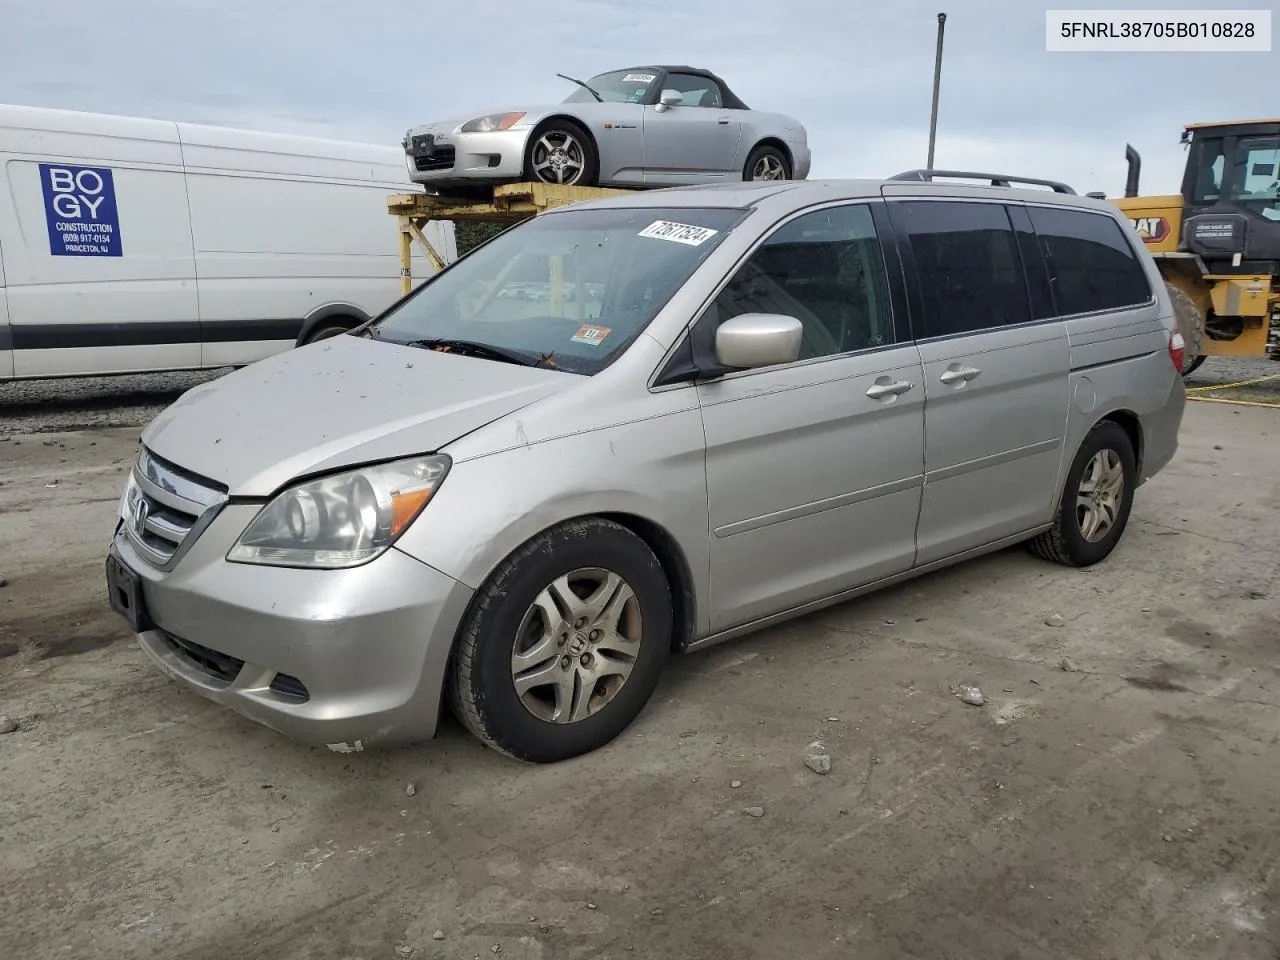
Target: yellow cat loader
(1218, 242)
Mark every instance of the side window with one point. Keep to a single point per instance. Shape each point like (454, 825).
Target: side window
(697, 91)
(825, 269)
(967, 265)
(1092, 266)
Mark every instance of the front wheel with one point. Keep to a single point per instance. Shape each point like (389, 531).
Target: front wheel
(561, 153)
(1096, 500)
(564, 644)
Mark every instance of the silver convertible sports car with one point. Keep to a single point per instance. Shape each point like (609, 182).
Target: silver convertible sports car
(662, 126)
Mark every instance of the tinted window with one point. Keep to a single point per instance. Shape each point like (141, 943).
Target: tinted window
(967, 264)
(1091, 264)
(825, 269)
(569, 289)
(697, 91)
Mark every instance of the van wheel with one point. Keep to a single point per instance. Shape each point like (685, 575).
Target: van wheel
(325, 331)
(564, 643)
(1096, 500)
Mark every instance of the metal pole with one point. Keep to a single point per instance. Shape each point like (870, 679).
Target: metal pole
(937, 77)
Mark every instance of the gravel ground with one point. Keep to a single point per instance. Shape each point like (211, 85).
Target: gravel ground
(1217, 371)
(83, 403)
(1114, 795)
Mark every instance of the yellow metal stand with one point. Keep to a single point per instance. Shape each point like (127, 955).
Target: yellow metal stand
(509, 203)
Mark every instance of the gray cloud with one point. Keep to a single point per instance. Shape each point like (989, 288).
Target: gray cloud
(859, 76)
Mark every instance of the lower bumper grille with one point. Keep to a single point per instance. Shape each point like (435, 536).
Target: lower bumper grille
(442, 159)
(220, 666)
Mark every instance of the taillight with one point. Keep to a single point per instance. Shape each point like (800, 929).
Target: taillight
(1177, 350)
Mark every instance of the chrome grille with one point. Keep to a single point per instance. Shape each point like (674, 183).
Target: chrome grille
(165, 508)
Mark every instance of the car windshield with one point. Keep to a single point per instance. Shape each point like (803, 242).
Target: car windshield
(618, 86)
(568, 290)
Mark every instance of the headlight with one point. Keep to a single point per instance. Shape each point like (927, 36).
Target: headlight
(495, 121)
(342, 520)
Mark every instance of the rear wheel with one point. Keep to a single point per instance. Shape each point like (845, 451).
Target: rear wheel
(562, 153)
(767, 163)
(564, 644)
(326, 330)
(1096, 500)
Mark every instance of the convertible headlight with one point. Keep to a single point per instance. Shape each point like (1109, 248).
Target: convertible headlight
(342, 520)
(495, 121)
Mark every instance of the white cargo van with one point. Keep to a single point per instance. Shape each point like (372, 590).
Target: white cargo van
(132, 245)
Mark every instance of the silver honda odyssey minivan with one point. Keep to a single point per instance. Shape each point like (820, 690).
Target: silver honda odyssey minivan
(637, 426)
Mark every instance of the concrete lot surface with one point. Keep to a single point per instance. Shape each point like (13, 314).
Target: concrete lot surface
(1117, 794)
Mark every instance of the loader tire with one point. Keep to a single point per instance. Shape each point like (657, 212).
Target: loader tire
(1191, 325)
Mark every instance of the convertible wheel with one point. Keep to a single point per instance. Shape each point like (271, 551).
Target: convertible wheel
(1096, 500)
(561, 153)
(767, 163)
(564, 643)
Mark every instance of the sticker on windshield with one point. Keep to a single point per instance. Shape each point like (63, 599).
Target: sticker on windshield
(591, 335)
(688, 233)
(639, 78)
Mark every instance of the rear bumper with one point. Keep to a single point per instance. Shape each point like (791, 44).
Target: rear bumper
(1160, 430)
(343, 658)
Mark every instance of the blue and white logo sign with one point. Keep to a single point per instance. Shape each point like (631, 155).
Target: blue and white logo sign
(80, 209)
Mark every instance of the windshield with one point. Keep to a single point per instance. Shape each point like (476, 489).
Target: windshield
(567, 290)
(619, 86)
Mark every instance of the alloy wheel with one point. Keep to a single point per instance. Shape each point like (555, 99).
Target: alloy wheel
(1100, 495)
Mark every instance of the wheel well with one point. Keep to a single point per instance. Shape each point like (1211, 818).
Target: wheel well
(336, 319)
(775, 142)
(674, 565)
(1131, 425)
(564, 118)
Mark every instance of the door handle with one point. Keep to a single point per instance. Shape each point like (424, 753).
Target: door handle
(959, 375)
(878, 390)
(723, 120)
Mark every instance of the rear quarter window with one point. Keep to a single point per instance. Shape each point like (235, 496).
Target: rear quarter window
(1092, 266)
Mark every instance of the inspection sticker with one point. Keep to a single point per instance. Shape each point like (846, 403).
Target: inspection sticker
(592, 336)
(639, 78)
(688, 233)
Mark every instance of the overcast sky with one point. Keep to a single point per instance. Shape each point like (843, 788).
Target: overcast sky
(857, 74)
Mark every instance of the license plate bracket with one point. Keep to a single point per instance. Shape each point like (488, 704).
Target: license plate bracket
(124, 590)
(423, 146)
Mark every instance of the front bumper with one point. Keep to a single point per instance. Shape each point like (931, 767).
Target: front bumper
(470, 157)
(343, 658)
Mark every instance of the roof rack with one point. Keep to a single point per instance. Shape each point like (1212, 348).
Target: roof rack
(995, 179)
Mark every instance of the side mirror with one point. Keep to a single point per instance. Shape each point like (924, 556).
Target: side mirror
(758, 340)
(669, 99)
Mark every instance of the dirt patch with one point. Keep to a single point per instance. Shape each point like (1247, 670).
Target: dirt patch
(1154, 683)
(72, 646)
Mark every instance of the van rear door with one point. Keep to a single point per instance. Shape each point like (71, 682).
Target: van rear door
(98, 259)
(6, 336)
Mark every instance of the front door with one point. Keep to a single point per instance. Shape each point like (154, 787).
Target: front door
(996, 368)
(814, 468)
(694, 141)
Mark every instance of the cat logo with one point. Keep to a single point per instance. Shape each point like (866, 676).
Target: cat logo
(1151, 229)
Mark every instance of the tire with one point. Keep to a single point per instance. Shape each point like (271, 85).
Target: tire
(766, 158)
(507, 618)
(325, 331)
(1191, 325)
(571, 143)
(1195, 364)
(1065, 542)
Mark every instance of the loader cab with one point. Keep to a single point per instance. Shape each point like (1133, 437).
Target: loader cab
(1231, 195)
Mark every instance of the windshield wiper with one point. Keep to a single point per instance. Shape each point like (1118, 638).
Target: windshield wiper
(586, 86)
(475, 349)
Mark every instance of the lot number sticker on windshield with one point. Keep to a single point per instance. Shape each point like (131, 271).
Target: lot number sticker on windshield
(592, 336)
(688, 233)
(639, 78)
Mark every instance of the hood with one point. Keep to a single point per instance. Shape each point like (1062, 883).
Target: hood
(338, 402)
